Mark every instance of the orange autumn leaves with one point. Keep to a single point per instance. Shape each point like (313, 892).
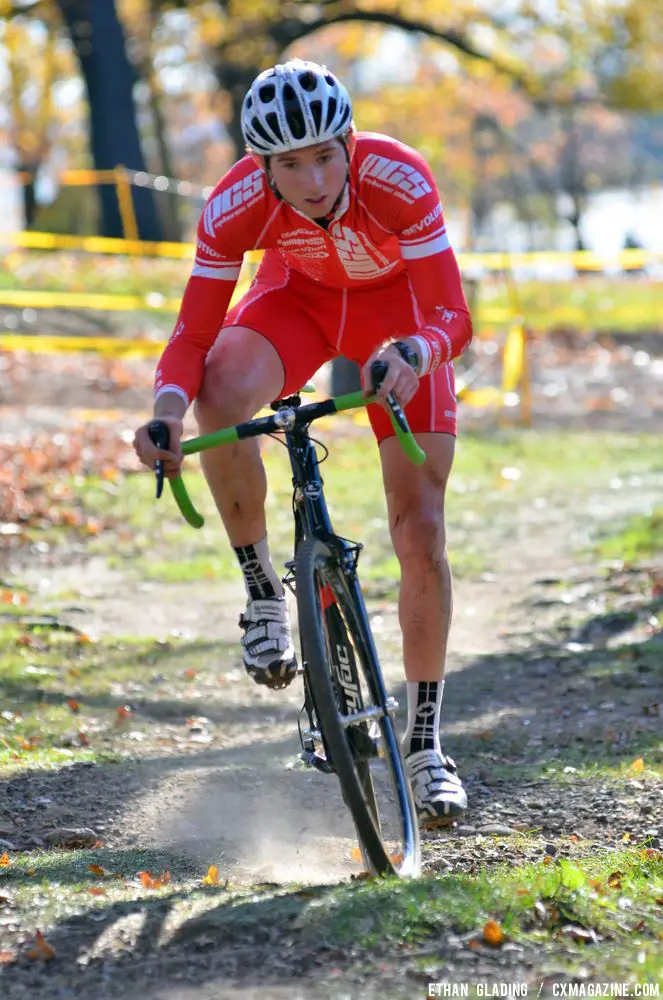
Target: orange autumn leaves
(36, 473)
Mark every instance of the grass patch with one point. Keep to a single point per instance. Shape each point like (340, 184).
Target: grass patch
(615, 895)
(595, 302)
(66, 698)
(499, 479)
(601, 913)
(640, 538)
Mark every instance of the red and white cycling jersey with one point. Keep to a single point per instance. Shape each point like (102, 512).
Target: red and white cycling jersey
(389, 221)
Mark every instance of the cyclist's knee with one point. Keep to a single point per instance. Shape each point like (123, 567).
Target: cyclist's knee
(242, 373)
(418, 534)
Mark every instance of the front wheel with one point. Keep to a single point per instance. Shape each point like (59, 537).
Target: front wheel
(353, 711)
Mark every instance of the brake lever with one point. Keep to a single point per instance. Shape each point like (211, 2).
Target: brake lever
(160, 436)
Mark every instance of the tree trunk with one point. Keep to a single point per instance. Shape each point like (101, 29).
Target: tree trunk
(98, 38)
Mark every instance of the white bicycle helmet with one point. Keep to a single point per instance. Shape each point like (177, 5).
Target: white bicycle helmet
(292, 105)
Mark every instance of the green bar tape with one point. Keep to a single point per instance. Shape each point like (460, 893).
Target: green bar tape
(183, 500)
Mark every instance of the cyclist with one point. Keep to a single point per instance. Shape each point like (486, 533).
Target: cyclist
(357, 262)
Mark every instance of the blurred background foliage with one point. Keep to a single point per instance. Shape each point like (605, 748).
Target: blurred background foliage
(531, 104)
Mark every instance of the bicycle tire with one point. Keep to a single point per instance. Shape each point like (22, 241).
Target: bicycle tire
(315, 562)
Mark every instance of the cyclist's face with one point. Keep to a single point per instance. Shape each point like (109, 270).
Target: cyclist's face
(312, 178)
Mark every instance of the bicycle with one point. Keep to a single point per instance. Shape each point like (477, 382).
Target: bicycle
(351, 729)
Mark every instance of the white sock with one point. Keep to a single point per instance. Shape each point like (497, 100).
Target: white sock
(424, 704)
(260, 577)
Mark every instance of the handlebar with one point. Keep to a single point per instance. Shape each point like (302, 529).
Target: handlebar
(279, 421)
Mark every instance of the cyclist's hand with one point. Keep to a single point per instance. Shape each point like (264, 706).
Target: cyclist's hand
(148, 452)
(400, 378)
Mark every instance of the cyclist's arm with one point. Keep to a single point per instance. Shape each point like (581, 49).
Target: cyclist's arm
(206, 299)
(445, 326)
(229, 225)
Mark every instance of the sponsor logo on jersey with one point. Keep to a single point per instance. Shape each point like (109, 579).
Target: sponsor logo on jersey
(179, 329)
(423, 223)
(233, 200)
(303, 243)
(446, 315)
(393, 175)
(203, 248)
(359, 258)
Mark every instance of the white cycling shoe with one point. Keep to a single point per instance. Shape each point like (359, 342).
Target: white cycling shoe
(438, 792)
(268, 653)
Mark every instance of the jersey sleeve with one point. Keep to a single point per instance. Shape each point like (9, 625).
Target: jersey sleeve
(445, 325)
(224, 234)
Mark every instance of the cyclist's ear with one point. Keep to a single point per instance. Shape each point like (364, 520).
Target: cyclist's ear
(350, 141)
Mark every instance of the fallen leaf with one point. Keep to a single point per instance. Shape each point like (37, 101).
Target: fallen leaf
(573, 837)
(83, 738)
(547, 860)
(5, 860)
(212, 877)
(474, 943)
(6, 957)
(637, 766)
(493, 933)
(355, 854)
(615, 880)
(97, 890)
(626, 837)
(149, 881)
(190, 673)
(97, 870)
(42, 950)
(123, 712)
(74, 705)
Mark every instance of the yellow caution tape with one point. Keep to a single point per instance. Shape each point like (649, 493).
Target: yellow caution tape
(154, 301)
(87, 300)
(498, 261)
(110, 347)
(97, 244)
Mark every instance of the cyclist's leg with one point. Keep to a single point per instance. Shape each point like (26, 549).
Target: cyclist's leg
(268, 347)
(415, 500)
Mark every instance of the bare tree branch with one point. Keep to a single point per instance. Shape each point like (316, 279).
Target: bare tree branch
(289, 30)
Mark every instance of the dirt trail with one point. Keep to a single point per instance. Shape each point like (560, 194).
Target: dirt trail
(246, 801)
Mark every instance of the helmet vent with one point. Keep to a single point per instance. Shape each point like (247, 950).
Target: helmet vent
(316, 111)
(308, 81)
(297, 124)
(267, 93)
(331, 111)
(272, 120)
